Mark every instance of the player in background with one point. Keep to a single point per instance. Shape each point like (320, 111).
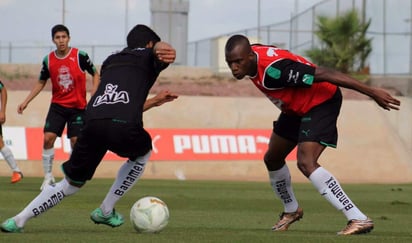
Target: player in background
(5, 151)
(66, 67)
(309, 98)
(114, 121)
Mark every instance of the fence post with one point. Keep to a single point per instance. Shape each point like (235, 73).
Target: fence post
(10, 52)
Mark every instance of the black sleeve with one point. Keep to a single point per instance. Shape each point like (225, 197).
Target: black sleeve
(159, 65)
(86, 63)
(288, 73)
(44, 73)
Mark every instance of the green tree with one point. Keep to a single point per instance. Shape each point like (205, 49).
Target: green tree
(344, 45)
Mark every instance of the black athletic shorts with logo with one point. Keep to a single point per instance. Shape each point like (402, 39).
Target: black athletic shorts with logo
(317, 125)
(57, 118)
(125, 139)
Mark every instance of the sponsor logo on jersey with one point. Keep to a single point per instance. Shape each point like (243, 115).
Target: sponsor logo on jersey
(273, 72)
(308, 79)
(111, 96)
(271, 52)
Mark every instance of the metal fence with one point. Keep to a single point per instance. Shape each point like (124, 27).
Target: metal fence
(391, 30)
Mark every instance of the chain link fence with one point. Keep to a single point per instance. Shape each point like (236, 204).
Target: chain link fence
(391, 30)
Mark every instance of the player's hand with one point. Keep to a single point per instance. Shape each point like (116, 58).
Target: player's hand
(163, 97)
(2, 117)
(21, 108)
(165, 52)
(385, 100)
(159, 99)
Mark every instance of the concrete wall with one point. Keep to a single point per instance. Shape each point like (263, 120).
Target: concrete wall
(374, 145)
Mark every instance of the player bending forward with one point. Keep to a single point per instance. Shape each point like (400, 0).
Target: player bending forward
(309, 99)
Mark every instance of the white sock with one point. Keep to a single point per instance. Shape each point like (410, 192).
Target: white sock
(281, 183)
(129, 173)
(8, 156)
(48, 156)
(48, 198)
(331, 190)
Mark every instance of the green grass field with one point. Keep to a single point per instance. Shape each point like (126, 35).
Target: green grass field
(210, 211)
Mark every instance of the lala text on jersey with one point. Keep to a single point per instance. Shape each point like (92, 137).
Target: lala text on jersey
(111, 96)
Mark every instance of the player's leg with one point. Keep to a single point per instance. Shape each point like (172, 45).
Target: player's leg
(127, 176)
(17, 175)
(85, 158)
(330, 188)
(47, 158)
(49, 197)
(75, 124)
(318, 130)
(53, 128)
(131, 142)
(280, 145)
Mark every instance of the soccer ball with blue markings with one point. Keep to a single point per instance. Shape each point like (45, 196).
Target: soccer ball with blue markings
(149, 215)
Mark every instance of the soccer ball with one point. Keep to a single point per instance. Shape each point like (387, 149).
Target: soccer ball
(149, 215)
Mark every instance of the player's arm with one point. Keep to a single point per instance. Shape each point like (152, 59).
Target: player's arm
(383, 98)
(159, 99)
(165, 54)
(33, 93)
(95, 83)
(288, 73)
(44, 75)
(86, 64)
(3, 93)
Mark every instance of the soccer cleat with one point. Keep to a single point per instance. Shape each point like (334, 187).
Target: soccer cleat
(286, 219)
(48, 180)
(9, 226)
(16, 176)
(114, 219)
(357, 226)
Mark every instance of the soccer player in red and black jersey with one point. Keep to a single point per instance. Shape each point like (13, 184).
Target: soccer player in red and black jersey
(113, 122)
(309, 99)
(66, 67)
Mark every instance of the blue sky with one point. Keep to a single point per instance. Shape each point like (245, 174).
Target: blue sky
(104, 21)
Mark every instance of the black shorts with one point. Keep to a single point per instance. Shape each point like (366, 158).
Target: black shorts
(317, 125)
(58, 116)
(97, 137)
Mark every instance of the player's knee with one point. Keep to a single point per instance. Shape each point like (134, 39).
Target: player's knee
(272, 163)
(307, 167)
(48, 142)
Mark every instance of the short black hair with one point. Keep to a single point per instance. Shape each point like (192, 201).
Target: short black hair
(59, 28)
(140, 36)
(236, 40)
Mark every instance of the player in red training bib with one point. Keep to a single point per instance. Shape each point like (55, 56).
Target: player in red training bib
(66, 67)
(310, 100)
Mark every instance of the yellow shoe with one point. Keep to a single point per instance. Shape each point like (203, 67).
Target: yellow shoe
(16, 176)
(357, 226)
(286, 219)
